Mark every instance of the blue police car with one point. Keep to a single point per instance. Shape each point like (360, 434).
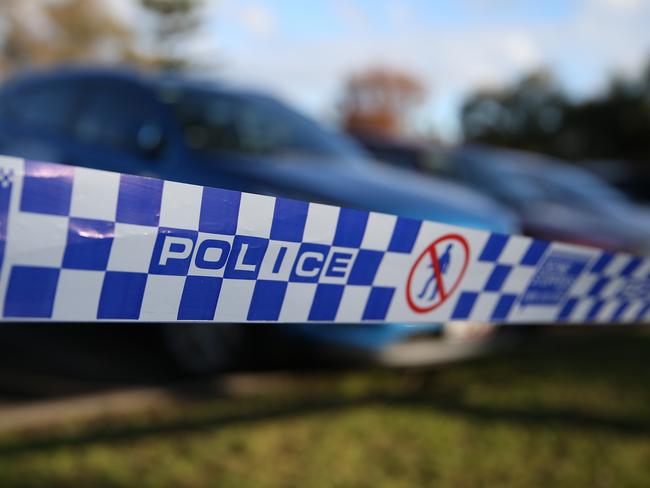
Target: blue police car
(214, 135)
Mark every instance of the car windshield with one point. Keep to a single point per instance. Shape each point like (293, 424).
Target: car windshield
(563, 187)
(586, 190)
(251, 124)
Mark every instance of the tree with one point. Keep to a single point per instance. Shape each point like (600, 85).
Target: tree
(38, 32)
(175, 21)
(524, 115)
(379, 100)
(535, 114)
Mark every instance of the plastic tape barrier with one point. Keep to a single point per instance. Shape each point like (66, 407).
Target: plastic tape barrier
(83, 245)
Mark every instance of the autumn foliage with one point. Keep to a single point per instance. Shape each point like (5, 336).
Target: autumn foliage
(379, 100)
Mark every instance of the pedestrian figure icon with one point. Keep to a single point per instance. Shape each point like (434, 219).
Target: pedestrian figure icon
(443, 264)
(437, 273)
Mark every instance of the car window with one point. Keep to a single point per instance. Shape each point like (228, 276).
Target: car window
(218, 122)
(44, 105)
(118, 115)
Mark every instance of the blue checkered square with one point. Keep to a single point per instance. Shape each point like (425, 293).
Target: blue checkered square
(602, 262)
(464, 305)
(289, 217)
(498, 277)
(199, 298)
(404, 235)
(493, 247)
(350, 227)
(365, 267)
(378, 303)
(631, 266)
(138, 200)
(89, 244)
(503, 306)
(594, 310)
(219, 211)
(602, 282)
(121, 295)
(47, 189)
(267, 300)
(31, 291)
(567, 308)
(326, 302)
(534, 253)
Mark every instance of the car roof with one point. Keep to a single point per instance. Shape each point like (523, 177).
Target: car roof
(128, 74)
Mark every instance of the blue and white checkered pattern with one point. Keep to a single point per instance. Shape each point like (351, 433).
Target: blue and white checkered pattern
(81, 245)
(502, 266)
(615, 288)
(82, 241)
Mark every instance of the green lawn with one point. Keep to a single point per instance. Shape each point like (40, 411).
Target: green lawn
(570, 412)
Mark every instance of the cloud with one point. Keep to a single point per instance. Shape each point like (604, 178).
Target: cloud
(623, 6)
(584, 45)
(256, 19)
(351, 14)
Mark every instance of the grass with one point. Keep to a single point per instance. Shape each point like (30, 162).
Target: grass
(570, 412)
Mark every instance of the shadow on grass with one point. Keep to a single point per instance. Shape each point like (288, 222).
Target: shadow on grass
(449, 405)
(608, 359)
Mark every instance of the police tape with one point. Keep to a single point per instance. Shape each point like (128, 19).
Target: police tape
(78, 244)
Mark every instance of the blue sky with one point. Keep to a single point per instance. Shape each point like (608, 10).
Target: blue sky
(304, 50)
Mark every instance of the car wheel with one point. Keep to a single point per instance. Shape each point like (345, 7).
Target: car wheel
(200, 349)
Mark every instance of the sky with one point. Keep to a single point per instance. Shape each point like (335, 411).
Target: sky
(303, 51)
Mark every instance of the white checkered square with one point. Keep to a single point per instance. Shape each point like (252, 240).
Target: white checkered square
(162, 297)
(632, 311)
(353, 303)
(297, 302)
(234, 300)
(517, 279)
(379, 230)
(132, 248)
(180, 207)
(320, 226)
(581, 310)
(390, 262)
(37, 240)
(255, 215)
(78, 293)
(484, 306)
(477, 275)
(94, 194)
(514, 250)
(608, 310)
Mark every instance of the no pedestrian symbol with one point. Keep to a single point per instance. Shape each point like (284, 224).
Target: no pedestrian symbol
(437, 272)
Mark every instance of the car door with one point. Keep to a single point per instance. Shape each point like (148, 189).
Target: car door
(36, 119)
(120, 127)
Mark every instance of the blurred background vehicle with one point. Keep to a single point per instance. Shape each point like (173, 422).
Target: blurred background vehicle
(214, 135)
(554, 200)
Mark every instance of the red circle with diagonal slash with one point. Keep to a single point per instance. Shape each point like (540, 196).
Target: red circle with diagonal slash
(443, 292)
